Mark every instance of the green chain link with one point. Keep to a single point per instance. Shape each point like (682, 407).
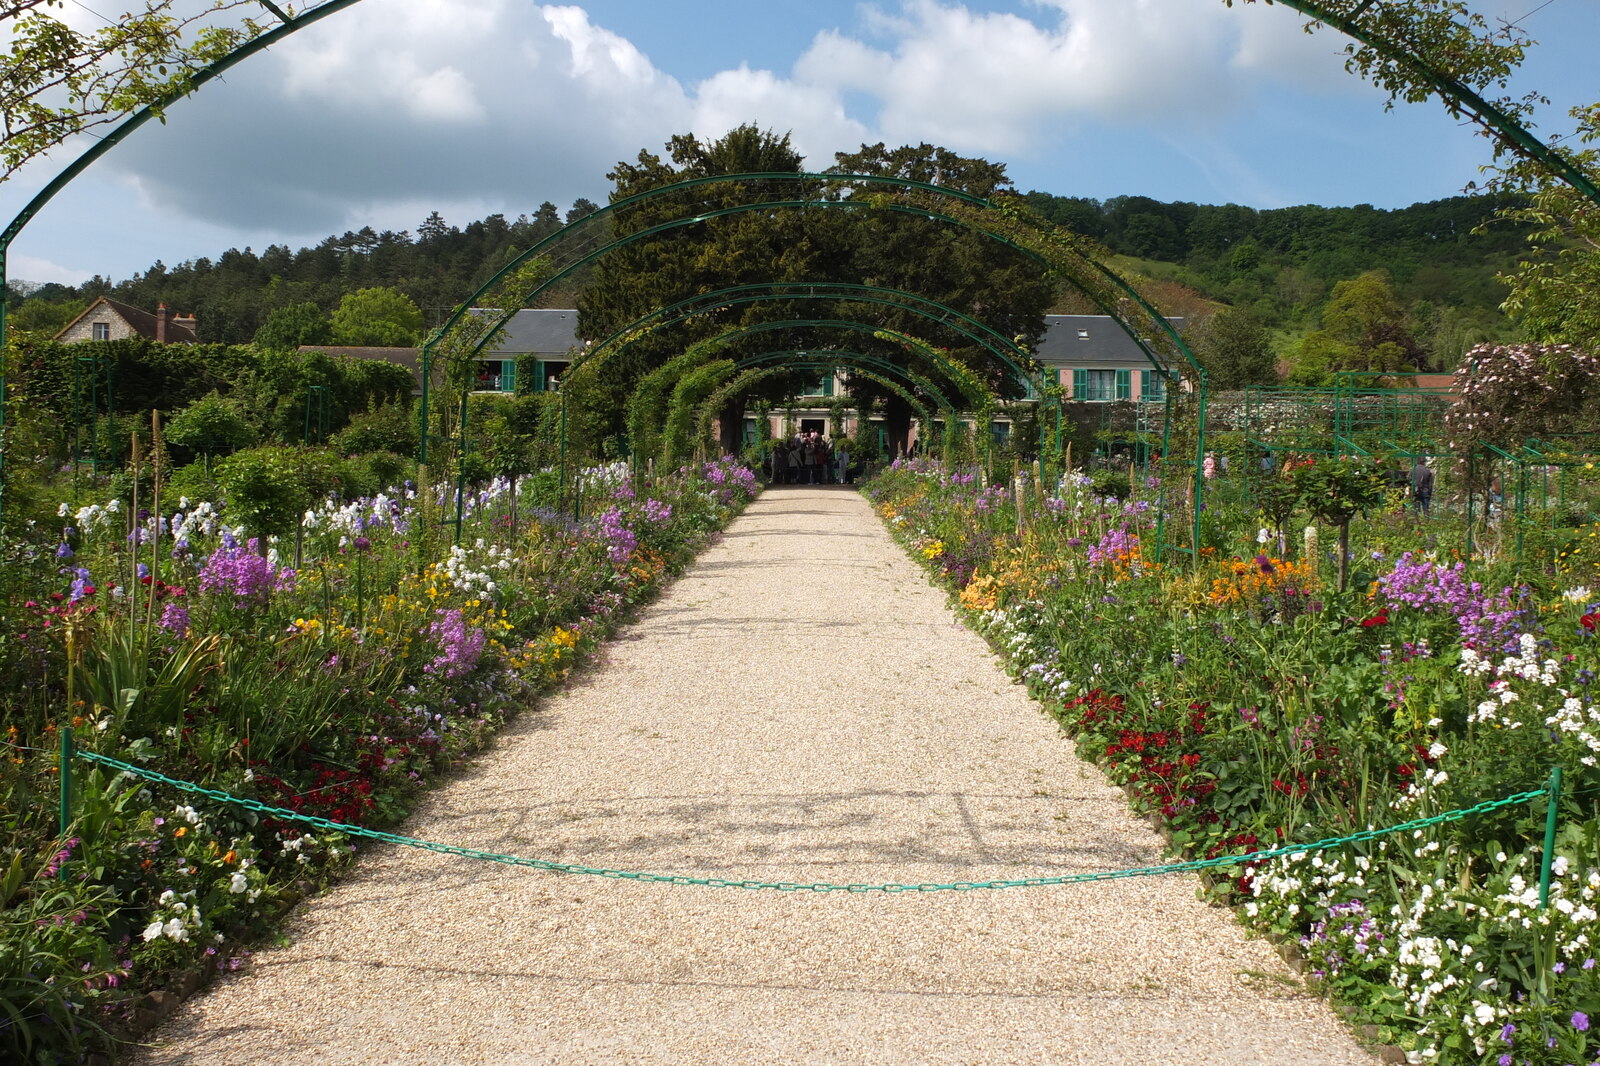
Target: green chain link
(821, 886)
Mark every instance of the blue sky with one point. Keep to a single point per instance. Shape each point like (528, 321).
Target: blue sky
(398, 107)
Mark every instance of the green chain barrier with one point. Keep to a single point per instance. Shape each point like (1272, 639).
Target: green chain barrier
(788, 886)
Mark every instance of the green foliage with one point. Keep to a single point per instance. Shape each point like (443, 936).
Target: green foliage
(380, 317)
(1555, 289)
(212, 425)
(390, 427)
(690, 392)
(287, 328)
(43, 318)
(270, 487)
(1235, 350)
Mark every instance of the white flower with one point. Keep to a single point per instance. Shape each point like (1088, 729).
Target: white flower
(1263, 536)
(151, 931)
(174, 930)
(238, 883)
(1581, 594)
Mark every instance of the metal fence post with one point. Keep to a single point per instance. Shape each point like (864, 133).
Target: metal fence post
(68, 753)
(1554, 790)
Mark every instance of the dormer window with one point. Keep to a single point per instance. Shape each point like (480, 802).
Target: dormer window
(1083, 334)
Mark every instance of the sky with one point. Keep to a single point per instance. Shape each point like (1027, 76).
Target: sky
(395, 108)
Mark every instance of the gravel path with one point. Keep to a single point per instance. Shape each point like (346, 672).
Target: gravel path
(800, 706)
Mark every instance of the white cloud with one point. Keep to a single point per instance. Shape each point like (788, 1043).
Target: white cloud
(43, 271)
(814, 114)
(396, 107)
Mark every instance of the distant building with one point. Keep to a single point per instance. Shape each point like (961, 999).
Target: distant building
(539, 340)
(111, 320)
(1097, 362)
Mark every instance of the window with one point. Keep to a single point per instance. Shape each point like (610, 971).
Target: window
(497, 375)
(1000, 432)
(102, 331)
(1102, 386)
(823, 387)
(1083, 334)
(1152, 387)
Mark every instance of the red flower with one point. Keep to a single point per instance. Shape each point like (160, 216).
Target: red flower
(1379, 619)
(1590, 621)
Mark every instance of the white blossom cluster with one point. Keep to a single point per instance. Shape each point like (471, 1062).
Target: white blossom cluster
(1528, 690)
(177, 919)
(473, 570)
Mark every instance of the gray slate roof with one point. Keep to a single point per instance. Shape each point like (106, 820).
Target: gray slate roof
(545, 331)
(1089, 340)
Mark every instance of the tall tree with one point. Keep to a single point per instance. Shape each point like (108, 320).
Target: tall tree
(1235, 350)
(718, 253)
(381, 317)
(951, 264)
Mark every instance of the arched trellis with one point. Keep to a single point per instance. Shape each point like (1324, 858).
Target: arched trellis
(1359, 19)
(970, 386)
(1010, 354)
(1070, 257)
(855, 362)
(707, 350)
(463, 336)
(1016, 358)
(754, 370)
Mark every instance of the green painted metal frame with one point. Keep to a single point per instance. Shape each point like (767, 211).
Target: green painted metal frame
(1003, 348)
(1451, 90)
(753, 374)
(853, 361)
(487, 331)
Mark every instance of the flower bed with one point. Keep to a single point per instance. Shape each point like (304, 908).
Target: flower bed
(1247, 704)
(334, 678)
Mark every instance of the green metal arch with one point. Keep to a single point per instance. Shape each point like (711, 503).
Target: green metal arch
(1001, 347)
(485, 331)
(973, 389)
(753, 374)
(848, 359)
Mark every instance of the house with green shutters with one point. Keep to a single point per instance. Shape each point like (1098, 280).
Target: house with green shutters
(1097, 362)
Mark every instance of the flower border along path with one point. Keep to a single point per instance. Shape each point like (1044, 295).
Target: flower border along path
(798, 708)
(332, 691)
(1245, 703)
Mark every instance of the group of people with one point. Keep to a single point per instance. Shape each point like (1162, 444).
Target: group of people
(810, 459)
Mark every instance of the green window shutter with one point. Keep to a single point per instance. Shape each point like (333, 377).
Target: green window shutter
(1080, 384)
(1124, 384)
(538, 375)
(508, 376)
(827, 385)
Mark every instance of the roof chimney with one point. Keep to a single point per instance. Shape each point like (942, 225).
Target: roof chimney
(161, 323)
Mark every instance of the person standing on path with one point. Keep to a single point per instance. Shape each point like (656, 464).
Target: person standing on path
(841, 458)
(1421, 485)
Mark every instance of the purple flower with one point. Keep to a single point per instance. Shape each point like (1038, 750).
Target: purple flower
(243, 574)
(460, 645)
(362, 544)
(63, 550)
(1508, 1032)
(1580, 1021)
(143, 570)
(1505, 1060)
(175, 619)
